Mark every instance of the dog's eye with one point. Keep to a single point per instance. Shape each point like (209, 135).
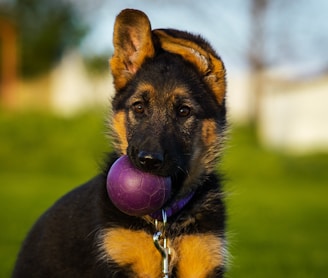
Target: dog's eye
(138, 107)
(184, 111)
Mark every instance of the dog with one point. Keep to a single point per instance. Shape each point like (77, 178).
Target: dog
(168, 116)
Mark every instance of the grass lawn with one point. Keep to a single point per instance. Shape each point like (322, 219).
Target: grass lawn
(277, 205)
(278, 211)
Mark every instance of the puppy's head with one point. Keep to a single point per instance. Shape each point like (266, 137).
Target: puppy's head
(169, 106)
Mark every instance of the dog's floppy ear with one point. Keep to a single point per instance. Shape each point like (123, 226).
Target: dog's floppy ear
(203, 57)
(132, 45)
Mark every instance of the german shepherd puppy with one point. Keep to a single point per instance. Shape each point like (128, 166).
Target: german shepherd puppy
(169, 117)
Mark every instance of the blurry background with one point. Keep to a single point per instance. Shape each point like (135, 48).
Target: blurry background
(55, 87)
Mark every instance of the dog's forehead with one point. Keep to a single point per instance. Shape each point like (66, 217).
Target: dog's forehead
(168, 71)
(150, 92)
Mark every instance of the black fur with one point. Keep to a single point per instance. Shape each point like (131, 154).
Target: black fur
(63, 242)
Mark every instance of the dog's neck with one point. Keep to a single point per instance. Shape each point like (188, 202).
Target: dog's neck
(173, 207)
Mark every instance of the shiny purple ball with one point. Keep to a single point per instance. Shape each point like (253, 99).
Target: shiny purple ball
(135, 192)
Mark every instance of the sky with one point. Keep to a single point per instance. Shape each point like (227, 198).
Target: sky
(186, 15)
(296, 34)
(296, 30)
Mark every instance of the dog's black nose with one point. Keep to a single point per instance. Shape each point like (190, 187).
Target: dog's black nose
(150, 161)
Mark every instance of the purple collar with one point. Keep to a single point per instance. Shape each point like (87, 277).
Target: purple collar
(172, 208)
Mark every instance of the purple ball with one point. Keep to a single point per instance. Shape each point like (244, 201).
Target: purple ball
(135, 192)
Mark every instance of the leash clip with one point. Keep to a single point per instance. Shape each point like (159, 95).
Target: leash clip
(160, 242)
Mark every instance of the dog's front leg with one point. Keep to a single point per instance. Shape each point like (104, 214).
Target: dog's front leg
(199, 255)
(132, 249)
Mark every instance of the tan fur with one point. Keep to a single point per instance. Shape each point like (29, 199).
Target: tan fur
(209, 132)
(211, 140)
(179, 91)
(120, 130)
(135, 249)
(143, 87)
(192, 255)
(198, 255)
(132, 41)
(209, 66)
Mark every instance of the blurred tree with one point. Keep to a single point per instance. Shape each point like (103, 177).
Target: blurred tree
(284, 33)
(256, 53)
(46, 29)
(97, 64)
(8, 60)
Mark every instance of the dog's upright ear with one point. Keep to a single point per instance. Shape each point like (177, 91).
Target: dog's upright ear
(133, 43)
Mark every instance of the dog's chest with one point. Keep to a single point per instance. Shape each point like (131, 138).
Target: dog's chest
(193, 255)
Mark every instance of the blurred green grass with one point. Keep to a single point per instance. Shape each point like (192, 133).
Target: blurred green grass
(277, 205)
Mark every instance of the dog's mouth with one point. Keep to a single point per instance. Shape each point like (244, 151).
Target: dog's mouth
(161, 165)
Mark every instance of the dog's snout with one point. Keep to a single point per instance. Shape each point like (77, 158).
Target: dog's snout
(150, 161)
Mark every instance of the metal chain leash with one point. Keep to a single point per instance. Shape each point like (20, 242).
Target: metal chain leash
(160, 242)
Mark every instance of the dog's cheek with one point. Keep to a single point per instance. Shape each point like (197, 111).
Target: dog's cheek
(211, 142)
(209, 132)
(119, 126)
